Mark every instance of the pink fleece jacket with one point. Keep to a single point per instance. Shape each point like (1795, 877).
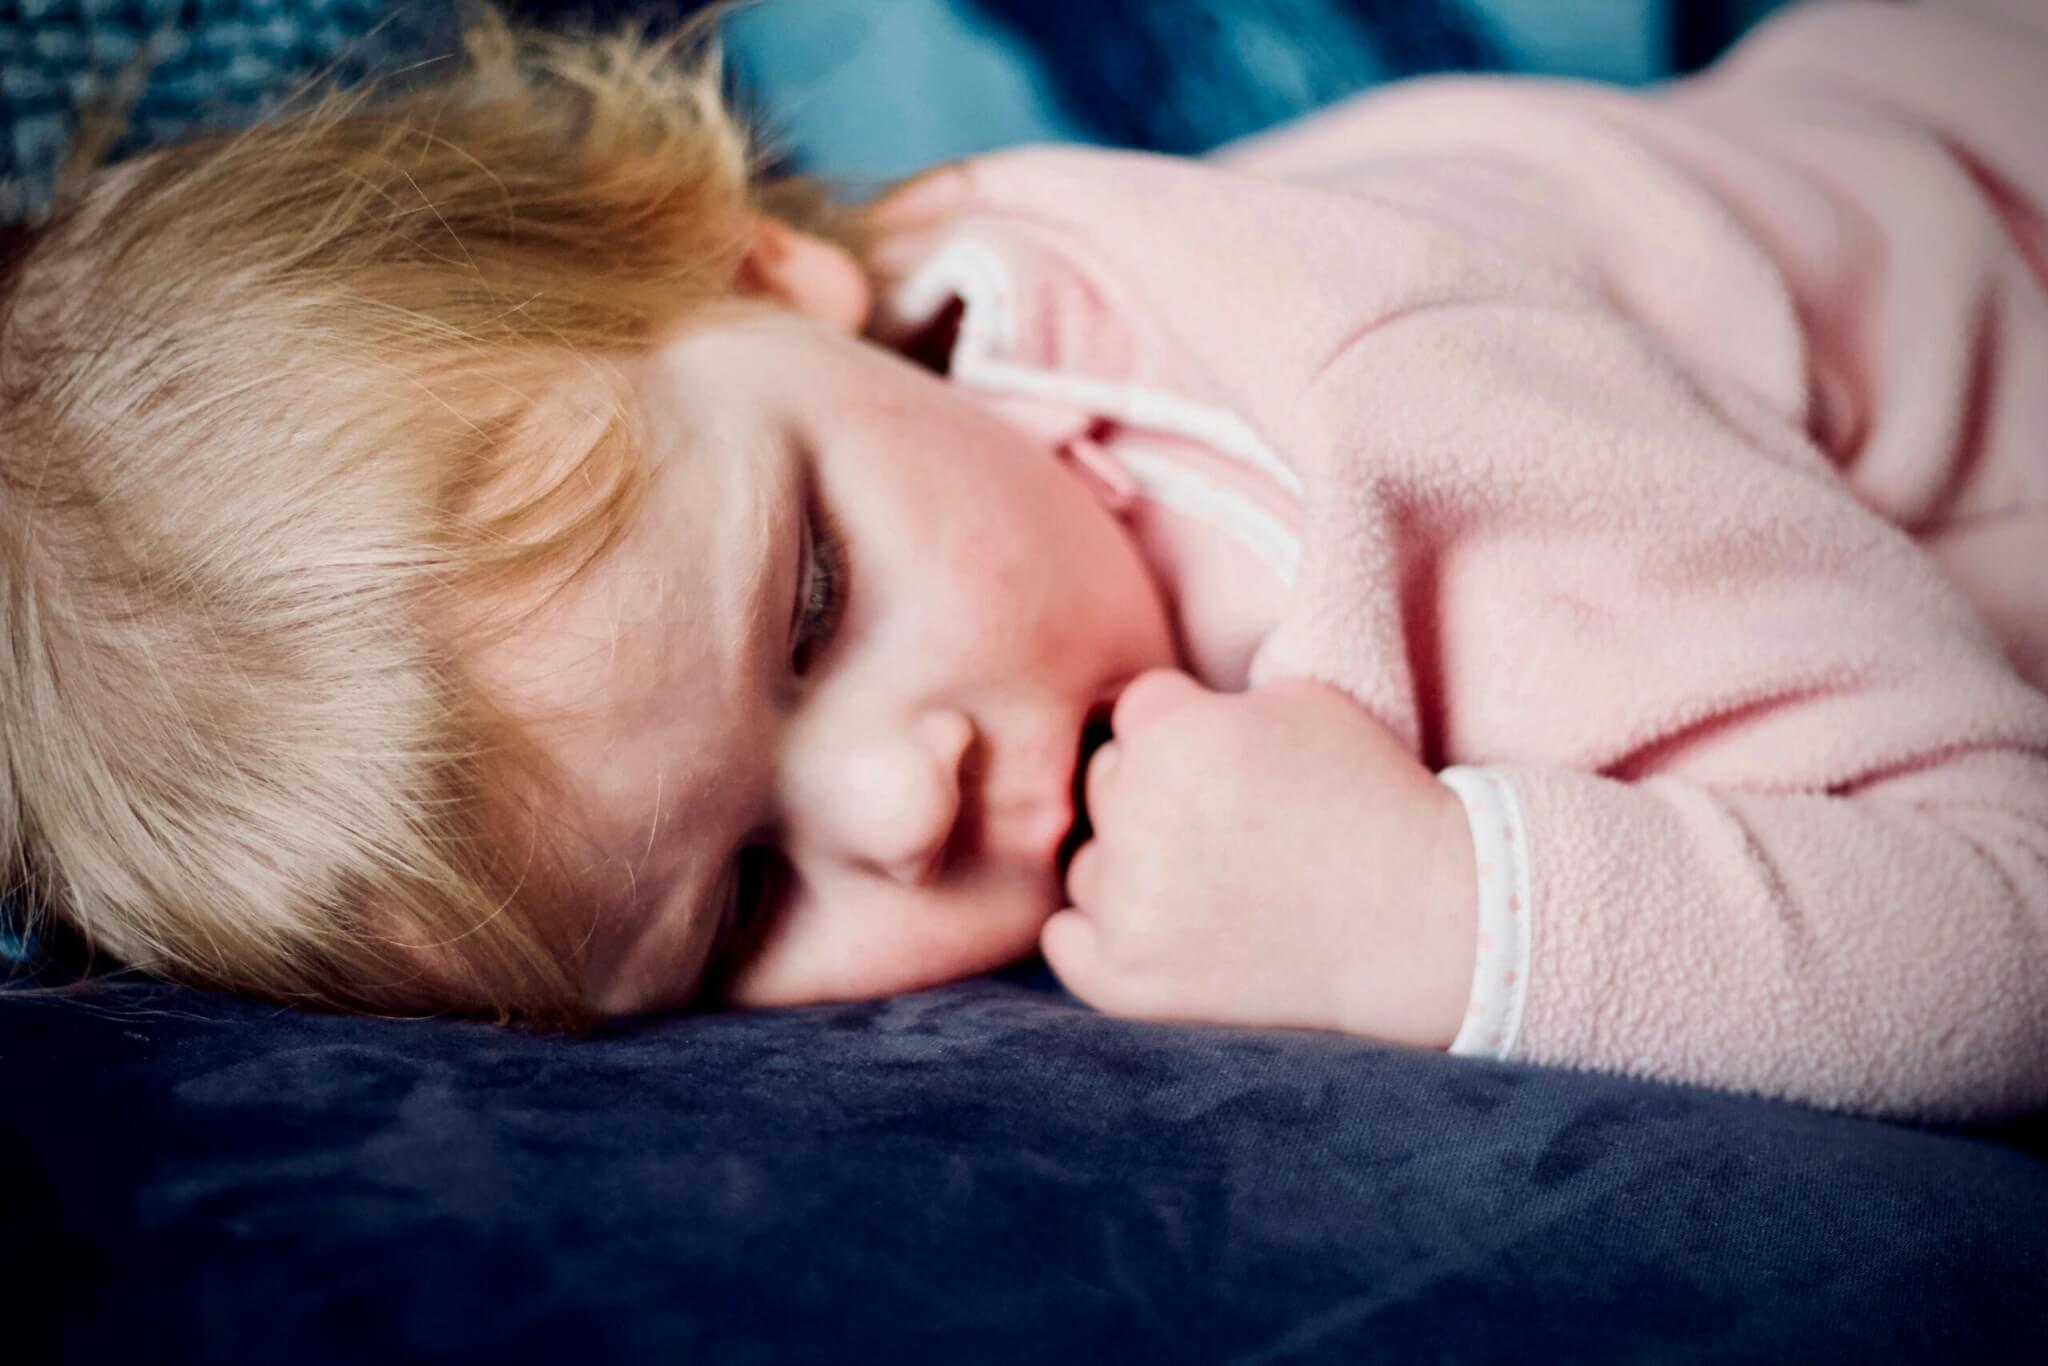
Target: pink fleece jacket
(1672, 467)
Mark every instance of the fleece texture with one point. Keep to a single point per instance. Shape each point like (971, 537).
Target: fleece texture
(1677, 458)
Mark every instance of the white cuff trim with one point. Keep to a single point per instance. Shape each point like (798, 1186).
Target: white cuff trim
(1500, 976)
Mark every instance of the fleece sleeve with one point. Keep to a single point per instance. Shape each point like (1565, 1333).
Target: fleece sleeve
(1881, 948)
(1870, 931)
(1784, 802)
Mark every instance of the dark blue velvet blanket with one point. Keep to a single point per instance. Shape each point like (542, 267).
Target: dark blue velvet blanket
(983, 1173)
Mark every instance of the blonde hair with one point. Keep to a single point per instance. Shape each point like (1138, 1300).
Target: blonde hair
(276, 407)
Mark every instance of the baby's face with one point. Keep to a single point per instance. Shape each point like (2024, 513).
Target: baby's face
(885, 783)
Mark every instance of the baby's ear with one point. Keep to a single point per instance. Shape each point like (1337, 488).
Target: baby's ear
(816, 277)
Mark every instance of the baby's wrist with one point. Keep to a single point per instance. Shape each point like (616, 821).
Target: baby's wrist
(1408, 982)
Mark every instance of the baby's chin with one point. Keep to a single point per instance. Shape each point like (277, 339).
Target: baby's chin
(993, 929)
(1017, 939)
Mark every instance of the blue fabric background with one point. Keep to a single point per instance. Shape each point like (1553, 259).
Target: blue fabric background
(862, 88)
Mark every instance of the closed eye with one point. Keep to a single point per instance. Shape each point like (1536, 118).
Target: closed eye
(822, 592)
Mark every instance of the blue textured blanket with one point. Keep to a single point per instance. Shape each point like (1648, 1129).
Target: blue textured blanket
(985, 1173)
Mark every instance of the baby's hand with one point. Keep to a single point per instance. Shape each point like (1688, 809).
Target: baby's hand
(1274, 857)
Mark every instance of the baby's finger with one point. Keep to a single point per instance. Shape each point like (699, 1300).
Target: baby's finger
(1072, 945)
(1068, 943)
(1149, 696)
(1095, 787)
(1084, 875)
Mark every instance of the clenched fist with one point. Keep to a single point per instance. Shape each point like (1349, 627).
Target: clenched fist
(1273, 857)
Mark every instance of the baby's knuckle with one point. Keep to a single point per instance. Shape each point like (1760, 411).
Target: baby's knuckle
(1169, 755)
(1136, 697)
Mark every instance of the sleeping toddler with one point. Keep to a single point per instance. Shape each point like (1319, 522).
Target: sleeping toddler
(1515, 567)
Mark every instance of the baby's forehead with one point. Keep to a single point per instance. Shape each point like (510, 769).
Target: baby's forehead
(619, 681)
(635, 677)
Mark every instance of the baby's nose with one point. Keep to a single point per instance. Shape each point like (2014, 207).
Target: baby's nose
(889, 800)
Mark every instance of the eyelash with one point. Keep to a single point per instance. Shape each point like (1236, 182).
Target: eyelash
(825, 594)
